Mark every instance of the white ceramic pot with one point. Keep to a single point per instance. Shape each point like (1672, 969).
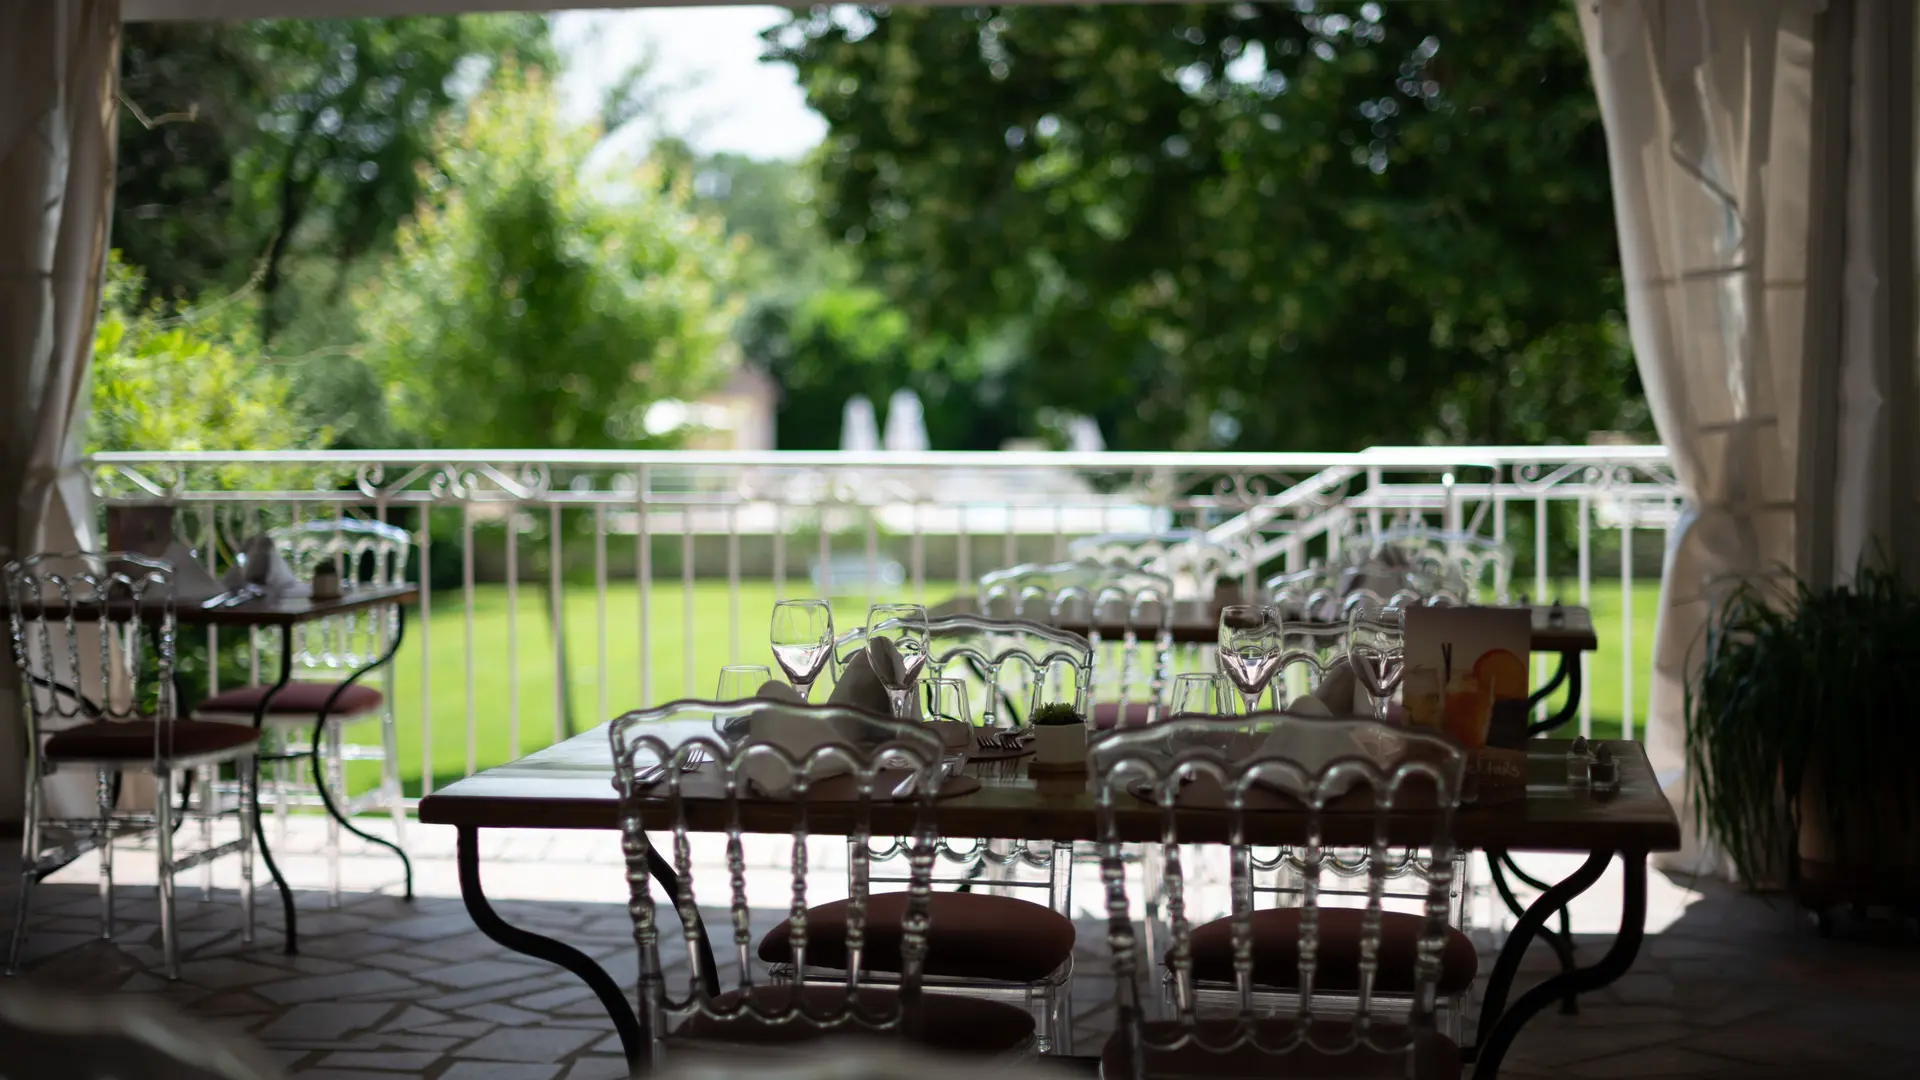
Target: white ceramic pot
(1060, 744)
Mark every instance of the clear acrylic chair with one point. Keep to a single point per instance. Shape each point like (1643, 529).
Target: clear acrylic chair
(1196, 564)
(1304, 991)
(93, 636)
(776, 766)
(1128, 615)
(1010, 667)
(1474, 568)
(325, 653)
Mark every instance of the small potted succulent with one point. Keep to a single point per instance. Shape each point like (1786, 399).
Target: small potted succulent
(1059, 735)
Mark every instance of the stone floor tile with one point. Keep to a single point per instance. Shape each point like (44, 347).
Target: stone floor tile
(490, 992)
(413, 1017)
(530, 1044)
(548, 1000)
(407, 1061)
(226, 972)
(499, 1070)
(342, 1074)
(331, 987)
(323, 1020)
(458, 1029)
(429, 927)
(502, 1014)
(609, 1045)
(599, 1068)
(478, 973)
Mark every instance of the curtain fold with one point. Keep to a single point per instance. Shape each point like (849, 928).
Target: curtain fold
(1752, 174)
(59, 76)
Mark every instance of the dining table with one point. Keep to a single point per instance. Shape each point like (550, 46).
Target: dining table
(281, 614)
(570, 786)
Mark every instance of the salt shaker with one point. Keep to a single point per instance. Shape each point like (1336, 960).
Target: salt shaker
(1579, 759)
(326, 581)
(1604, 773)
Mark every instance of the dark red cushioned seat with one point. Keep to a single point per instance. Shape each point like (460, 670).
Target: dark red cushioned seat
(1106, 715)
(132, 740)
(949, 1022)
(970, 936)
(297, 699)
(1276, 951)
(1432, 1056)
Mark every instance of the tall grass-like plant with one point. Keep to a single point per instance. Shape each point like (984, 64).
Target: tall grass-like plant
(1802, 691)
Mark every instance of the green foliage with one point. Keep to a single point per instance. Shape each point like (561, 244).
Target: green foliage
(1253, 226)
(1808, 685)
(1055, 714)
(522, 310)
(185, 380)
(247, 148)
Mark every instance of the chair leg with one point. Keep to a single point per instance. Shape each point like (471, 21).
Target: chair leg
(336, 781)
(104, 794)
(204, 782)
(390, 777)
(248, 771)
(29, 869)
(163, 840)
(280, 791)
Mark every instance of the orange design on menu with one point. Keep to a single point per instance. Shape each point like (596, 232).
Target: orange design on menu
(1502, 673)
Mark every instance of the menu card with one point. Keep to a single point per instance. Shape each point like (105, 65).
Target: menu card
(1467, 678)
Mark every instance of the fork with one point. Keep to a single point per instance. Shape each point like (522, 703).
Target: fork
(694, 760)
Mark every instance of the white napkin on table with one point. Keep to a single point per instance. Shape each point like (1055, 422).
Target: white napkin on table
(191, 582)
(860, 688)
(259, 563)
(798, 734)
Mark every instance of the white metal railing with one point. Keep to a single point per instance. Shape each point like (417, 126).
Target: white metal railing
(590, 528)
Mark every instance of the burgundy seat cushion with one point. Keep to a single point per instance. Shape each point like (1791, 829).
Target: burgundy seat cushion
(1431, 1056)
(949, 1022)
(296, 699)
(1276, 951)
(969, 936)
(1106, 715)
(133, 740)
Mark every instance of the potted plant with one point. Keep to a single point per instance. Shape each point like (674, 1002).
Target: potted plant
(1059, 735)
(1802, 740)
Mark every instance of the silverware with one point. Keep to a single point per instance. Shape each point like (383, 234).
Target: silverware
(654, 774)
(234, 598)
(949, 766)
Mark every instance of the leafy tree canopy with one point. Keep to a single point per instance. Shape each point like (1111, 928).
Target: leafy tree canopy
(1263, 226)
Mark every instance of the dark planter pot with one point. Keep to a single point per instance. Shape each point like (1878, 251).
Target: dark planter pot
(1862, 869)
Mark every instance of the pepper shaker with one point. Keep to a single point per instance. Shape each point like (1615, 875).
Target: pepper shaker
(1579, 762)
(326, 581)
(1604, 774)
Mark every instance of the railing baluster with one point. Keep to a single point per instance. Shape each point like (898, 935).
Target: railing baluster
(1585, 570)
(556, 609)
(733, 584)
(466, 592)
(426, 652)
(513, 629)
(687, 688)
(643, 578)
(600, 612)
(1626, 626)
(1540, 596)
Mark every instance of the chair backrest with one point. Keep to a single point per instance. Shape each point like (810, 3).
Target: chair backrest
(1255, 765)
(1130, 670)
(93, 635)
(1009, 666)
(821, 758)
(1468, 566)
(1192, 562)
(367, 553)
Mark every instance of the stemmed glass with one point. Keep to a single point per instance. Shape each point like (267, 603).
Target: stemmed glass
(1200, 694)
(1376, 646)
(738, 682)
(1249, 649)
(802, 639)
(905, 627)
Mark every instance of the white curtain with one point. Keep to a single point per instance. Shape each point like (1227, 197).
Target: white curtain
(1753, 167)
(59, 74)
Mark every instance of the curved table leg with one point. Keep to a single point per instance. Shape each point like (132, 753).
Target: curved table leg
(259, 829)
(1499, 864)
(1494, 1002)
(527, 943)
(319, 731)
(1493, 1045)
(1569, 673)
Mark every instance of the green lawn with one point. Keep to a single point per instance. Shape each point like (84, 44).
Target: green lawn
(495, 664)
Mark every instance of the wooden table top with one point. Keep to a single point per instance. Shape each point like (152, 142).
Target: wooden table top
(285, 612)
(1570, 631)
(570, 786)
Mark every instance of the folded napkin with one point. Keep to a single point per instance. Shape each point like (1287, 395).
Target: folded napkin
(259, 563)
(191, 582)
(775, 690)
(798, 734)
(860, 688)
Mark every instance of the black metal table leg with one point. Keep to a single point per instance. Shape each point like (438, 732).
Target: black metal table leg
(1499, 864)
(1497, 1034)
(319, 731)
(259, 827)
(1569, 673)
(527, 943)
(1494, 1002)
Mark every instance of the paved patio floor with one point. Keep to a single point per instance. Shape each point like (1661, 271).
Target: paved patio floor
(1729, 985)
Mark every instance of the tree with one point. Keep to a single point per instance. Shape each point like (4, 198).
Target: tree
(523, 309)
(249, 146)
(1308, 226)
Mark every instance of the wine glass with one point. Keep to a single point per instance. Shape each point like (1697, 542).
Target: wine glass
(1201, 694)
(1249, 649)
(738, 682)
(904, 626)
(802, 639)
(946, 702)
(1376, 646)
